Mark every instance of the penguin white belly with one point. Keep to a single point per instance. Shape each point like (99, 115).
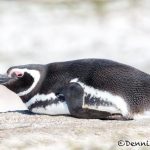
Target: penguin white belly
(102, 100)
(144, 115)
(42, 105)
(54, 109)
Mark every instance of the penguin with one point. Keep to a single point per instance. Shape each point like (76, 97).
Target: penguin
(85, 88)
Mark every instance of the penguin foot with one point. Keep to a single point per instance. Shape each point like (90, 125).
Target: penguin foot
(118, 117)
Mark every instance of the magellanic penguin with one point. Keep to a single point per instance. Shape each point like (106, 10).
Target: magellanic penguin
(87, 88)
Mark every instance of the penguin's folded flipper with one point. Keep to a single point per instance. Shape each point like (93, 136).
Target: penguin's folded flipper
(75, 98)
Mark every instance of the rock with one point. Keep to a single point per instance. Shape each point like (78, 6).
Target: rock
(26, 131)
(9, 101)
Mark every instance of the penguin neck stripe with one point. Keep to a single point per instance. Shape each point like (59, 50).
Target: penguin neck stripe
(117, 101)
(40, 97)
(36, 76)
(51, 109)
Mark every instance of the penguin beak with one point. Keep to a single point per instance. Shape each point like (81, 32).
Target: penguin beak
(4, 79)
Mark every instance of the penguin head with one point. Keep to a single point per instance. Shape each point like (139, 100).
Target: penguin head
(24, 80)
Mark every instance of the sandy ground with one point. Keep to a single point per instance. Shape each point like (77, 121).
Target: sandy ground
(25, 131)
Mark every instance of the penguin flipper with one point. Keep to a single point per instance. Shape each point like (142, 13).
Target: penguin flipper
(74, 96)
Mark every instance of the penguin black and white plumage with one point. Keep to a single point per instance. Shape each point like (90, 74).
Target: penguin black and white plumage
(87, 88)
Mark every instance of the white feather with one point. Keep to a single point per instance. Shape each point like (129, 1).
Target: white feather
(144, 115)
(41, 97)
(109, 109)
(118, 101)
(60, 108)
(53, 109)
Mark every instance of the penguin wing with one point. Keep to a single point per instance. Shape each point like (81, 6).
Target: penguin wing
(104, 101)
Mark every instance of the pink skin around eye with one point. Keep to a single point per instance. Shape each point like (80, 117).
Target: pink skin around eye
(18, 74)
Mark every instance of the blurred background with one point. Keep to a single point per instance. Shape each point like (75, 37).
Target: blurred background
(44, 31)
